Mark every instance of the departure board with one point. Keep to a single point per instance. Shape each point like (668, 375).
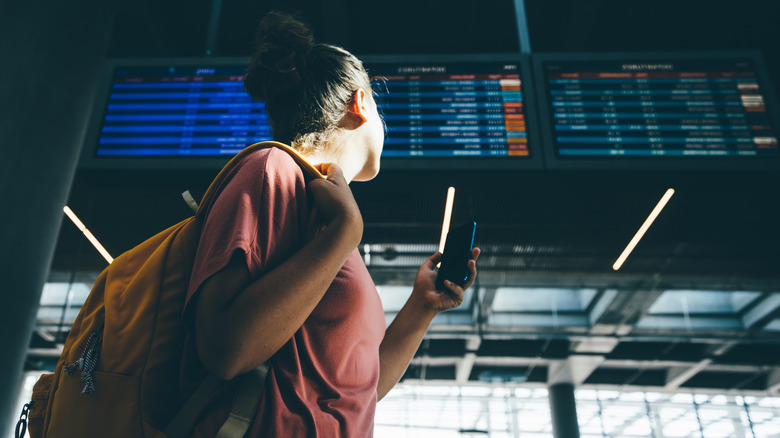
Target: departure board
(179, 111)
(672, 108)
(451, 109)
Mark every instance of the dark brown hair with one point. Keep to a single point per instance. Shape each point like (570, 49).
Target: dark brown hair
(305, 85)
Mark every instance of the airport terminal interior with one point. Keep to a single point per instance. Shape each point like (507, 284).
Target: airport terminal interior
(620, 159)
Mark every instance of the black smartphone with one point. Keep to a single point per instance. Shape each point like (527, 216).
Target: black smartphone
(457, 253)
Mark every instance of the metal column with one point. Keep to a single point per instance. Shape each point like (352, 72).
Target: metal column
(53, 54)
(213, 30)
(522, 27)
(563, 411)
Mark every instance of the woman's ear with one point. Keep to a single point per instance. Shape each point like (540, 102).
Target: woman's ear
(358, 107)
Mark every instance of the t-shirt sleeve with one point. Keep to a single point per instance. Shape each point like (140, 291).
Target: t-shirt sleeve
(261, 213)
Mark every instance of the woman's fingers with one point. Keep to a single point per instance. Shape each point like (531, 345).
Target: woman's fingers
(456, 292)
(472, 267)
(334, 173)
(432, 261)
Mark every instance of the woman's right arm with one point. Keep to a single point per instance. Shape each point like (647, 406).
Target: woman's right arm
(240, 323)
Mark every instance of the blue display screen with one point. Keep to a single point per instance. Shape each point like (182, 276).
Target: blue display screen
(451, 109)
(179, 111)
(644, 109)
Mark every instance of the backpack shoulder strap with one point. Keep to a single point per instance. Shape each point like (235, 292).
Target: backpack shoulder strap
(245, 404)
(181, 425)
(242, 412)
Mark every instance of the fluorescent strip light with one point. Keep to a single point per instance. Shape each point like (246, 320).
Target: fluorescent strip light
(643, 229)
(88, 234)
(445, 226)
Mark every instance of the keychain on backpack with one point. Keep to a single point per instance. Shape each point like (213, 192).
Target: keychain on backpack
(21, 426)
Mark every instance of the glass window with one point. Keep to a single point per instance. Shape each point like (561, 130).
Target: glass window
(393, 297)
(702, 302)
(511, 299)
(773, 326)
(504, 411)
(54, 297)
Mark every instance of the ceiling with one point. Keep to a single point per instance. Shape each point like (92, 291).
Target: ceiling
(543, 233)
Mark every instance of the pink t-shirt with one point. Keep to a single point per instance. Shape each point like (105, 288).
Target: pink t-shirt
(322, 382)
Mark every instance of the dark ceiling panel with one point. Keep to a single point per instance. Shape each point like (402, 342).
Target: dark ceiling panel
(640, 350)
(611, 376)
(547, 348)
(508, 374)
(169, 28)
(430, 372)
(442, 348)
(627, 376)
(736, 380)
(486, 26)
(763, 354)
(649, 378)
(687, 351)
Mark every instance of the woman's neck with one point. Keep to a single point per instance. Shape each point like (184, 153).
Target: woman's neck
(339, 152)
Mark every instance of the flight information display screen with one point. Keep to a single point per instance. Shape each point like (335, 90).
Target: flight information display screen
(696, 107)
(451, 109)
(179, 111)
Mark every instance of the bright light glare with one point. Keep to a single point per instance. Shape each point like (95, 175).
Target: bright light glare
(445, 226)
(88, 234)
(638, 236)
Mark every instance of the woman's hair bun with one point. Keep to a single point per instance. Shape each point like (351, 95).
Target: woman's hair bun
(283, 47)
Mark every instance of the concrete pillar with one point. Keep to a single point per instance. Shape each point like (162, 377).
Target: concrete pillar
(563, 411)
(53, 52)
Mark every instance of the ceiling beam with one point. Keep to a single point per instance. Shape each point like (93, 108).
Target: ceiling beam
(623, 311)
(763, 312)
(720, 350)
(574, 370)
(773, 382)
(676, 376)
(607, 363)
(487, 296)
(595, 344)
(598, 387)
(603, 301)
(499, 276)
(576, 334)
(463, 368)
(661, 364)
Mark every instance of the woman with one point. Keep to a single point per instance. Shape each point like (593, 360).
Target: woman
(262, 292)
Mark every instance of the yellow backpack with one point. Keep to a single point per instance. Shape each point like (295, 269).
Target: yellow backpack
(118, 372)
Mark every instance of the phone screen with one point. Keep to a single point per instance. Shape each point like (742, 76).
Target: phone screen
(457, 253)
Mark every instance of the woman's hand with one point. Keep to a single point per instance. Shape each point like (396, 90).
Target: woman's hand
(335, 202)
(403, 336)
(433, 299)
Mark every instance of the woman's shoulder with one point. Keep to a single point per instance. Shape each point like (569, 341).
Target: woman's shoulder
(271, 169)
(272, 160)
